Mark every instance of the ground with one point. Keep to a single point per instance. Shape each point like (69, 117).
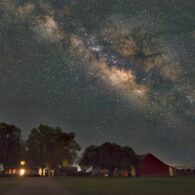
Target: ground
(35, 186)
(128, 186)
(7, 183)
(97, 185)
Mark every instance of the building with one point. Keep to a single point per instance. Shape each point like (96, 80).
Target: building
(67, 171)
(148, 166)
(152, 166)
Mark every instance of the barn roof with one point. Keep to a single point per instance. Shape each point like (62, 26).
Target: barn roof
(143, 156)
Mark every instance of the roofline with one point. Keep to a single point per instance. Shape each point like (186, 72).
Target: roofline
(145, 155)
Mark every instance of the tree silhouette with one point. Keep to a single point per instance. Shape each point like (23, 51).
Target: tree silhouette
(109, 156)
(49, 147)
(10, 145)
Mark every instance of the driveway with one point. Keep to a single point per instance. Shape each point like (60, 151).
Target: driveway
(37, 186)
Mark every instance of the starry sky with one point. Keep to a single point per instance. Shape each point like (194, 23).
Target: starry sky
(120, 70)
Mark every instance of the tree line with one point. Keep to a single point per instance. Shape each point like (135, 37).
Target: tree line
(51, 147)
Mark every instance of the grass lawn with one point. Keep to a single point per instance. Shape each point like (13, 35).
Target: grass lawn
(8, 182)
(128, 186)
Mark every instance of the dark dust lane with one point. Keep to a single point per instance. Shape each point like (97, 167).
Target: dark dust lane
(38, 186)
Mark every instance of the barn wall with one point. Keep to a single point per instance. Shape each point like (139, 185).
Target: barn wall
(151, 166)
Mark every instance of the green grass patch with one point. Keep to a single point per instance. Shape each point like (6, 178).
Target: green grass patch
(128, 186)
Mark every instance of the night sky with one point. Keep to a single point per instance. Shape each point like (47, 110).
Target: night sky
(109, 70)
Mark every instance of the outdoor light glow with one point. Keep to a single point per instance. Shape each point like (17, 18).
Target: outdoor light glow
(22, 172)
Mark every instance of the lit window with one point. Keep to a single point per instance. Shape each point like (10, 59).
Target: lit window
(22, 162)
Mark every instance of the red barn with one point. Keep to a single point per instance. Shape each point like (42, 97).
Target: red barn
(152, 166)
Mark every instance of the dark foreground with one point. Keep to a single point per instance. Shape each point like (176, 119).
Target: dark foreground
(128, 186)
(97, 186)
(36, 186)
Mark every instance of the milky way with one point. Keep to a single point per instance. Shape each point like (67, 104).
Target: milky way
(119, 71)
